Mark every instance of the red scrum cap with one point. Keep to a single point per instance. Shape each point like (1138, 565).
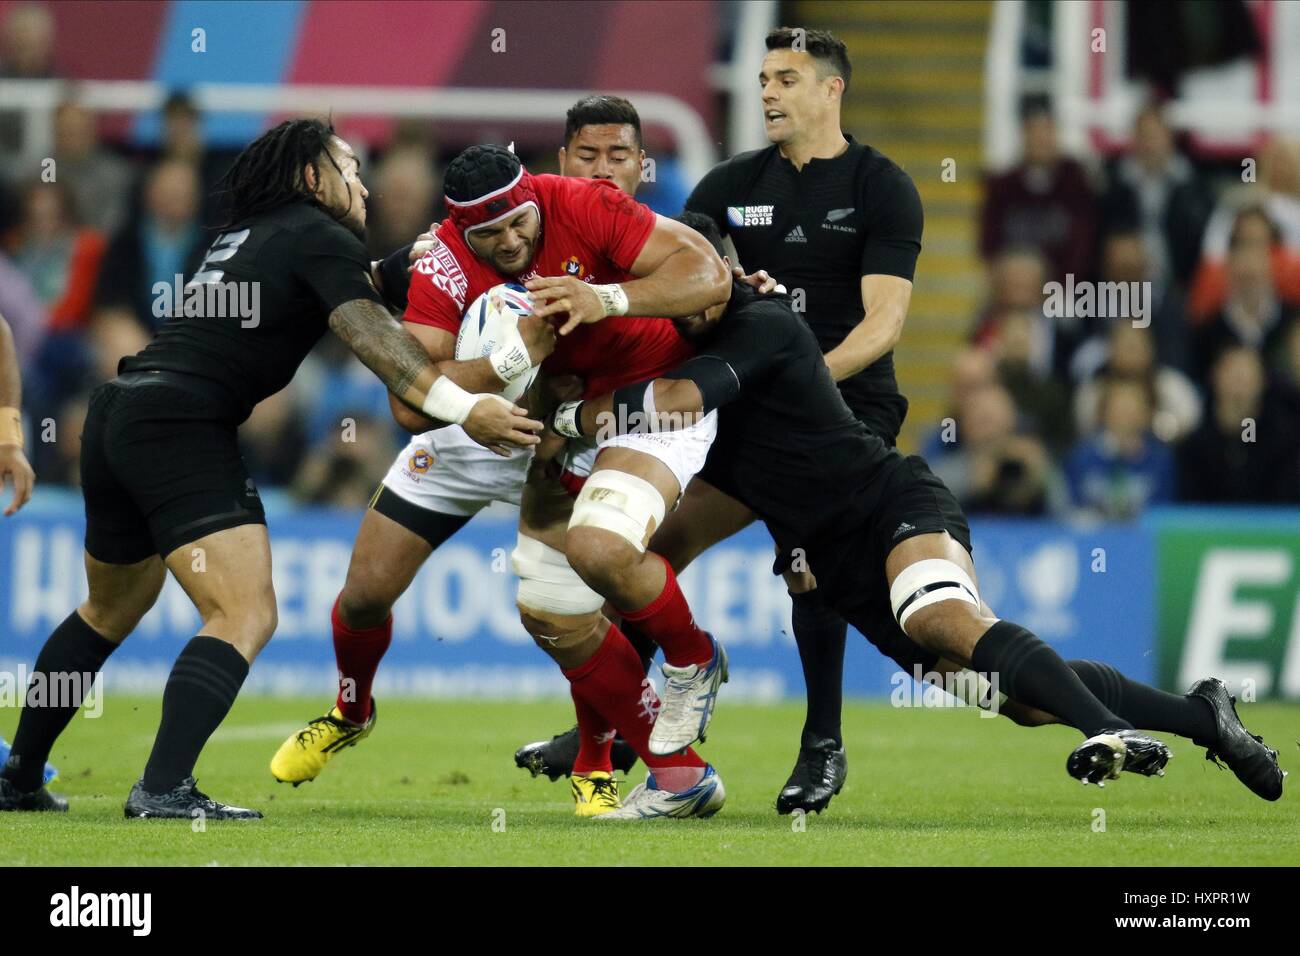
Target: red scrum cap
(484, 185)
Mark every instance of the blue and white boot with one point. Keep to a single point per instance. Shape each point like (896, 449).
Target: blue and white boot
(51, 773)
(687, 703)
(647, 802)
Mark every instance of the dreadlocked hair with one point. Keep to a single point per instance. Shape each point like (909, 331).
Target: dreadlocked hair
(269, 172)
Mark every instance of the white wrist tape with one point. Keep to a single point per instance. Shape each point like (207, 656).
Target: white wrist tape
(448, 402)
(612, 298)
(565, 420)
(510, 359)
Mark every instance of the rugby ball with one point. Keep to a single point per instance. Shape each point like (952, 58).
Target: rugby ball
(485, 324)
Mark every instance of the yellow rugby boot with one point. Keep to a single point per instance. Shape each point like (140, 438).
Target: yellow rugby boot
(594, 794)
(305, 753)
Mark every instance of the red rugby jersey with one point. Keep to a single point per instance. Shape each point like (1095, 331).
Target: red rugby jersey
(590, 229)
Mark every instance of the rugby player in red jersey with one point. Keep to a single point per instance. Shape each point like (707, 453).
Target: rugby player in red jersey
(590, 255)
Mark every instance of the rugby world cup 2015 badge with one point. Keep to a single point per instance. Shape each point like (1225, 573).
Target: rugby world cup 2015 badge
(739, 217)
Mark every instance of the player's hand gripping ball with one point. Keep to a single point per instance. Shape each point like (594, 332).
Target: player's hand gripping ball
(490, 322)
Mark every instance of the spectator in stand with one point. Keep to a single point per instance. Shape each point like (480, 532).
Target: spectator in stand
(1277, 195)
(164, 241)
(61, 461)
(1125, 260)
(1017, 283)
(343, 474)
(27, 43)
(1045, 202)
(26, 53)
(1154, 192)
(60, 258)
(101, 182)
(1254, 313)
(342, 388)
(272, 441)
(988, 465)
(22, 309)
(1247, 450)
(1122, 469)
(62, 263)
(404, 199)
(1289, 355)
(1130, 354)
(1042, 400)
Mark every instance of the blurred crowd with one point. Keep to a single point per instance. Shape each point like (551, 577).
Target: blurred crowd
(1197, 401)
(1190, 392)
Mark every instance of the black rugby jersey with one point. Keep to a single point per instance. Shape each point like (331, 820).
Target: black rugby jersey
(821, 229)
(268, 287)
(788, 447)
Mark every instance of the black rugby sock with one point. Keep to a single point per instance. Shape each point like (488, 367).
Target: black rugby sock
(69, 661)
(820, 632)
(1031, 672)
(200, 690)
(70, 658)
(1145, 706)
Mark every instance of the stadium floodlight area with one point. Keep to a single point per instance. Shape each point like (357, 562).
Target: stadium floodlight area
(36, 100)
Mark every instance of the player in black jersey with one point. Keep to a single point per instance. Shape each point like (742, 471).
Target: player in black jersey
(165, 487)
(840, 225)
(879, 528)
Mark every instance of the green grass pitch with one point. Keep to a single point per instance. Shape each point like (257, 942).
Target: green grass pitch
(926, 786)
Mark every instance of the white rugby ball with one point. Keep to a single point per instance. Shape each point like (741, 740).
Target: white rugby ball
(487, 320)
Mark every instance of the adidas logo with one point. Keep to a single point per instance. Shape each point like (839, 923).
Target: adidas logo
(796, 235)
(903, 529)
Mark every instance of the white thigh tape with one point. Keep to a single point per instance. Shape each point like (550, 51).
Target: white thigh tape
(927, 582)
(626, 505)
(548, 583)
(975, 690)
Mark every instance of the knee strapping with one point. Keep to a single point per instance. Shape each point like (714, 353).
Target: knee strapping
(623, 504)
(547, 583)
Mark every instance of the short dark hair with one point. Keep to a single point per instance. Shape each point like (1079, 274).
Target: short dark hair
(180, 101)
(598, 110)
(706, 227)
(1033, 105)
(822, 45)
(1253, 212)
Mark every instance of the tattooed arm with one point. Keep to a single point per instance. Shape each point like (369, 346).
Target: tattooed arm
(401, 363)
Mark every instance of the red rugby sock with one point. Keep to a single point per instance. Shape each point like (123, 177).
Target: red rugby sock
(667, 620)
(595, 738)
(614, 685)
(358, 652)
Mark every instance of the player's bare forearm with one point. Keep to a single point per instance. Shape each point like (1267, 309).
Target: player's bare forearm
(684, 284)
(387, 349)
(473, 375)
(885, 300)
(402, 363)
(678, 402)
(409, 420)
(13, 463)
(678, 274)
